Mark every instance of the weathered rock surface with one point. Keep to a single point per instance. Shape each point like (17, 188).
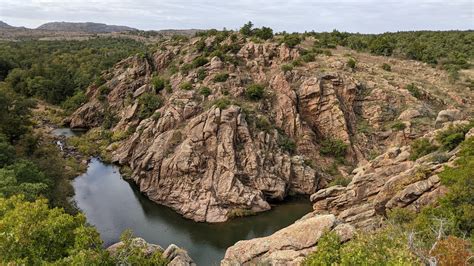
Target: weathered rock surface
(290, 245)
(175, 255)
(211, 162)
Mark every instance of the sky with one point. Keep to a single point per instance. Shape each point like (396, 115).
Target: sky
(365, 16)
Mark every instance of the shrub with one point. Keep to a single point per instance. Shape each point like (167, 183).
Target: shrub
(414, 91)
(221, 77)
(74, 102)
(148, 103)
(200, 61)
(351, 63)
(420, 148)
(333, 147)
(291, 40)
(286, 67)
(186, 86)
(297, 63)
(222, 103)
(132, 253)
(158, 83)
(205, 91)
(340, 181)
(263, 33)
(453, 136)
(327, 52)
(287, 144)
(255, 92)
(308, 57)
(386, 67)
(262, 123)
(201, 74)
(384, 247)
(234, 213)
(246, 30)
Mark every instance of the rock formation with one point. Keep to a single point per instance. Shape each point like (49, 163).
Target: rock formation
(211, 156)
(175, 255)
(290, 245)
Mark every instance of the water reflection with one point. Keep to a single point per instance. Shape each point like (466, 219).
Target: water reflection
(113, 205)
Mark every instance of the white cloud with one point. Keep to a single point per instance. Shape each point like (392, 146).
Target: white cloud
(289, 15)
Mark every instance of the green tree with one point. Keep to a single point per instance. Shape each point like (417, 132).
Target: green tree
(246, 30)
(31, 233)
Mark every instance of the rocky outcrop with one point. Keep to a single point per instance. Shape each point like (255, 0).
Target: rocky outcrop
(198, 171)
(290, 245)
(389, 181)
(173, 254)
(219, 153)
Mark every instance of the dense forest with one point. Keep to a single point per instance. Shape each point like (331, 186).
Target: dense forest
(451, 50)
(56, 70)
(33, 182)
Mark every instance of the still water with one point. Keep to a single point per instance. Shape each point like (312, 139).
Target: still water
(112, 205)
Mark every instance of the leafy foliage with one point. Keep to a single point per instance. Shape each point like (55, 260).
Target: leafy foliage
(255, 92)
(449, 49)
(205, 91)
(333, 147)
(420, 148)
(414, 90)
(148, 103)
(385, 247)
(221, 77)
(31, 233)
(56, 70)
(187, 86)
(351, 63)
(386, 67)
(263, 33)
(453, 136)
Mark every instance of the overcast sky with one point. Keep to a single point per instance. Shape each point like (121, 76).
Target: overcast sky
(368, 16)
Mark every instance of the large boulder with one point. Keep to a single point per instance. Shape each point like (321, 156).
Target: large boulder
(290, 245)
(175, 255)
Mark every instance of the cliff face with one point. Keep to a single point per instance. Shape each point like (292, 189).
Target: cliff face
(213, 155)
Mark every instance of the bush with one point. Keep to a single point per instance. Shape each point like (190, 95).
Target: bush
(255, 92)
(414, 91)
(262, 123)
(186, 86)
(333, 147)
(384, 247)
(328, 252)
(308, 57)
(287, 144)
(420, 148)
(205, 91)
(133, 253)
(222, 103)
(148, 103)
(158, 83)
(221, 77)
(200, 61)
(291, 40)
(351, 63)
(201, 74)
(263, 33)
(453, 136)
(45, 236)
(340, 181)
(286, 67)
(386, 67)
(74, 102)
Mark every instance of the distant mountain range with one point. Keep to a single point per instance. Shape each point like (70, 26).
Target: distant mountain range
(86, 27)
(89, 27)
(4, 25)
